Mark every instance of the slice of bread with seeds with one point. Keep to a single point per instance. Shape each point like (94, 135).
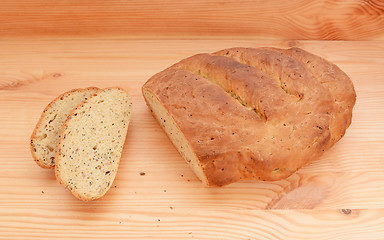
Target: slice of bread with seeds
(91, 143)
(46, 135)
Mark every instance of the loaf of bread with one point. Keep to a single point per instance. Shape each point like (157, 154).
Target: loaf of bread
(46, 134)
(245, 113)
(91, 144)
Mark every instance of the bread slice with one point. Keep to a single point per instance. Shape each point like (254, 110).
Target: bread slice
(46, 134)
(91, 144)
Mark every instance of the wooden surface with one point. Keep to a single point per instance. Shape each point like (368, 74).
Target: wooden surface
(202, 19)
(340, 196)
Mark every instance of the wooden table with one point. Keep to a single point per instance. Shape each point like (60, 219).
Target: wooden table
(340, 196)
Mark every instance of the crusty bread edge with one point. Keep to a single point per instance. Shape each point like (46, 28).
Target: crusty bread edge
(65, 126)
(204, 178)
(33, 136)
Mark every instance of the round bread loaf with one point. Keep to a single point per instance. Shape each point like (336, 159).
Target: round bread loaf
(245, 113)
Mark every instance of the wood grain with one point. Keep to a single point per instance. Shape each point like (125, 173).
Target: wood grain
(308, 205)
(180, 224)
(283, 19)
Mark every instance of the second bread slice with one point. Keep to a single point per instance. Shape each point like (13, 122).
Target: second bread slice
(91, 144)
(46, 135)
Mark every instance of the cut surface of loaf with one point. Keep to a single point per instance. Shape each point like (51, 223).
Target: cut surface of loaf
(91, 144)
(251, 113)
(46, 134)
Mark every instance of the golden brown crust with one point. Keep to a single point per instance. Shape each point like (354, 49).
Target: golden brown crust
(256, 113)
(38, 125)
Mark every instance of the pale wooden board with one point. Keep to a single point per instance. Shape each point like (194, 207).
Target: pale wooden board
(89, 223)
(34, 205)
(280, 19)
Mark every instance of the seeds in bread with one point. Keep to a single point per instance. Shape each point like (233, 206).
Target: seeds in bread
(91, 144)
(46, 134)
